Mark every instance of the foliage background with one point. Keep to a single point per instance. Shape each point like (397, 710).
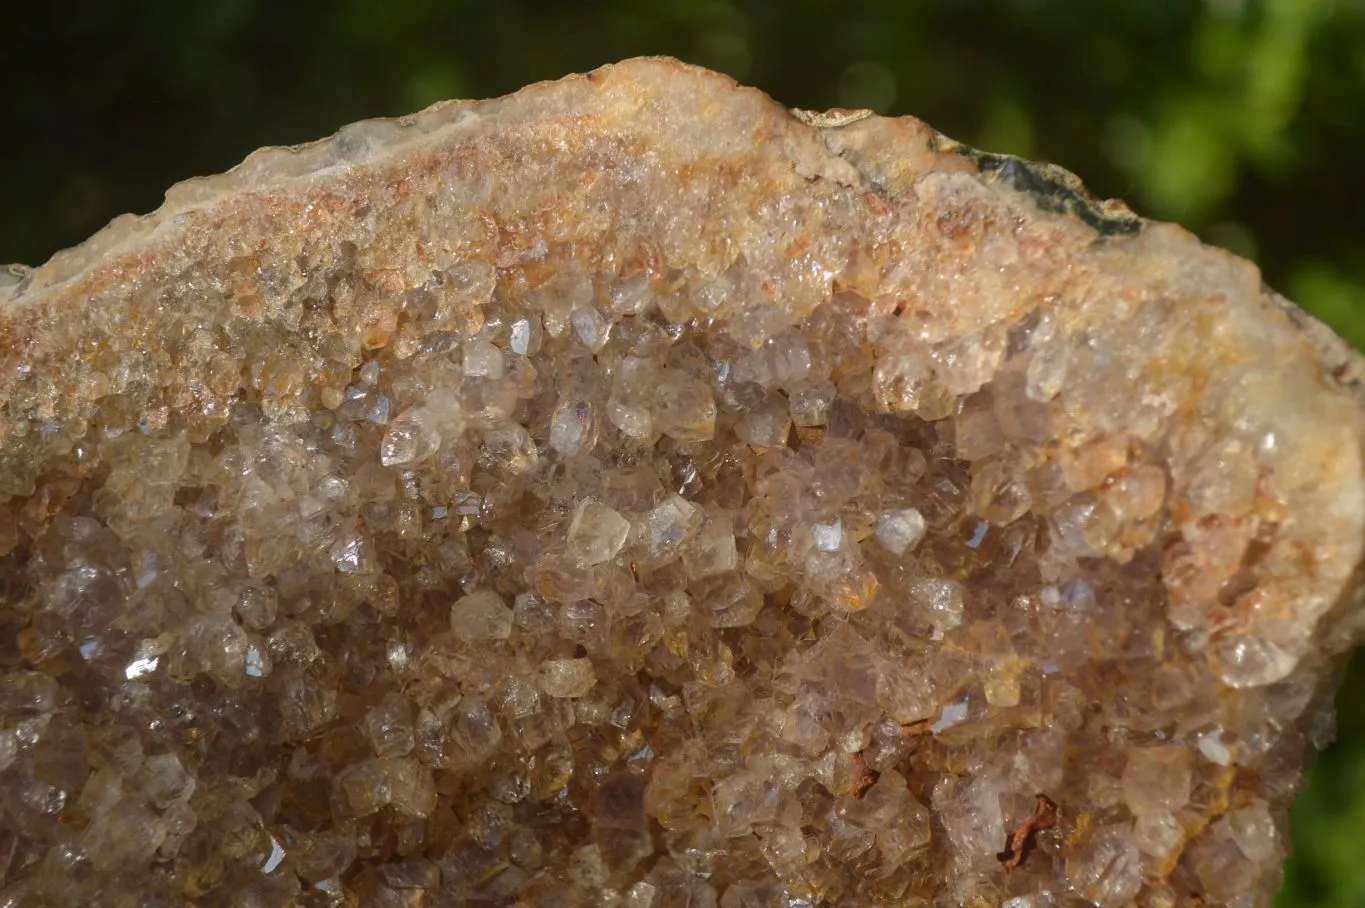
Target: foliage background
(1242, 119)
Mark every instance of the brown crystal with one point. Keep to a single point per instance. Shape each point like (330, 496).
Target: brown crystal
(630, 492)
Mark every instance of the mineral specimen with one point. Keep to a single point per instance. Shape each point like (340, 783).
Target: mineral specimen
(632, 493)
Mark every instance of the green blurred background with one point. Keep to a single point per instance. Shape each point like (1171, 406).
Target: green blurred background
(1243, 120)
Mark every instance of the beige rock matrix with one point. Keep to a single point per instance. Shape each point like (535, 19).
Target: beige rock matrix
(633, 493)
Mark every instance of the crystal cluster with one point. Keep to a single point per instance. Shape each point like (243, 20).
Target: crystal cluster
(631, 493)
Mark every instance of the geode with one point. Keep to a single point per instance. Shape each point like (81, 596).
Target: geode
(631, 492)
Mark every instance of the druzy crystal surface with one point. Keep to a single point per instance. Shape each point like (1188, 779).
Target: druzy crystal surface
(633, 493)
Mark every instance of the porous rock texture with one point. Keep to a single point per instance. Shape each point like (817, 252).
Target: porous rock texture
(632, 493)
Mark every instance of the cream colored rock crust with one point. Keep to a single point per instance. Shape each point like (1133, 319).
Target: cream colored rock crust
(628, 492)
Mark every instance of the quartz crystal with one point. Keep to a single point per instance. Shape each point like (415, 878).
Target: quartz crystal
(633, 493)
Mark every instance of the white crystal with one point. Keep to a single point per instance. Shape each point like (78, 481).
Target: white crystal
(942, 600)
(712, 550)
(481, 617)
(641, 895)
(567, 678)
(634, 421)
(510, 450)
(591, 327)
(669, 524)
(1214, 750)
(146, 658)
(1254, 831)
(350, 554)
(597, 533)
(953, 714)
(685, 409)
(166, 780)
(410, 438)
(1157, 779)
(828, 536)
(482, 360)
(9, 747)
(1107, 868)
(256, 664)
(521, 337)
(399, 655)
(573, 428)
(1250, 661)
(900, 530)
(378, 410)
(810, 403)
(1048, 365)
(972, 818)
(276, 857)
(1158, 834)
